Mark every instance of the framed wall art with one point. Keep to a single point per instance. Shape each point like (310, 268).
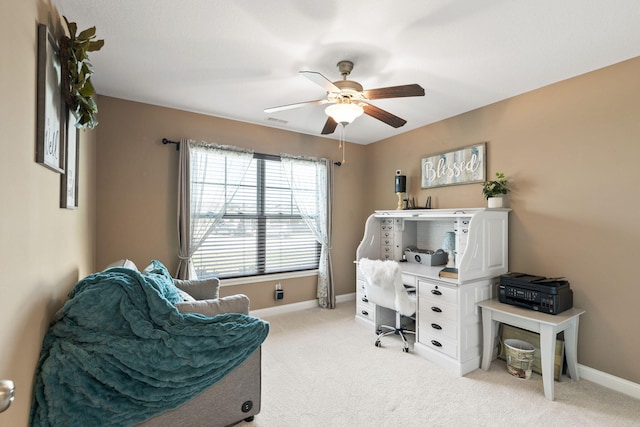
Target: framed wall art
(69, 179)
(462, 166)
(50, 109)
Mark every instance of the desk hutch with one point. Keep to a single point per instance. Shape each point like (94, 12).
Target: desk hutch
(448, 322)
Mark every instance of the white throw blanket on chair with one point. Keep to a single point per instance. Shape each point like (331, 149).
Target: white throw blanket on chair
(385, 288)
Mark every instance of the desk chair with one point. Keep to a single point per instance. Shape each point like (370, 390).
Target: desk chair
(384, 287)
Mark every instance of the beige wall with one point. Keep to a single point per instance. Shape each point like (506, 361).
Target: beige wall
(43, 249)
(137, 184)
(571, 151)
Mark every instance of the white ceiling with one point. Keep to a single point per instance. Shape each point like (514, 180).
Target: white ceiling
(233, 59)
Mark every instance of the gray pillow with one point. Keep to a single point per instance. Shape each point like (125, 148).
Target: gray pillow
(232, 304)
(200, 288)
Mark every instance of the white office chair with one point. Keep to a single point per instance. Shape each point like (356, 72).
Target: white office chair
(384, 287)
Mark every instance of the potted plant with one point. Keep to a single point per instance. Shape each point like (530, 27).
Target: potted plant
(494, 190)
(76, 73)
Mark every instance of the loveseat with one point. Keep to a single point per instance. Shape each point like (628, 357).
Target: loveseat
(237, 396)
(134, 347)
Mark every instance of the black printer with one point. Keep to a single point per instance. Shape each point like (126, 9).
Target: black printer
(537, 293)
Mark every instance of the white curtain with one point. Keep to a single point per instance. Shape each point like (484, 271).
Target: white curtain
(315, 209)
(204, 192)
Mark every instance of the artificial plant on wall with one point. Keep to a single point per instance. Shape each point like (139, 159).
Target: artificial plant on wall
(76, 73)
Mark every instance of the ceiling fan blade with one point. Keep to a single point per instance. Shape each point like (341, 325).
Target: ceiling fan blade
(329, 126)
(383, 116)
(296, 105)
(394, 92)
(320, 80)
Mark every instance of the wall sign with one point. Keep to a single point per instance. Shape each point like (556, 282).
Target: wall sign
(51, 122)
(463, 166)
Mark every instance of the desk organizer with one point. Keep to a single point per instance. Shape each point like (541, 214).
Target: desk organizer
(426, 257)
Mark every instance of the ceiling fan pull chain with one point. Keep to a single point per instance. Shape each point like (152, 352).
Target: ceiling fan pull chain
(342, 142)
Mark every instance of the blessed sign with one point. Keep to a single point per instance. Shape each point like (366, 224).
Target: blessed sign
(463, 166)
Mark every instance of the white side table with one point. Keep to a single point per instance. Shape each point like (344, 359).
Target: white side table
(547, 325)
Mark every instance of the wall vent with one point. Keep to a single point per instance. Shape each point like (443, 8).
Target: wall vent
(273, 119)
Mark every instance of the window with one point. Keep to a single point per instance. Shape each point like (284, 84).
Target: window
(260, 230)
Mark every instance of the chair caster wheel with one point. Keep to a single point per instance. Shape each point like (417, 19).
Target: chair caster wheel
(405, 349)
(378, 344)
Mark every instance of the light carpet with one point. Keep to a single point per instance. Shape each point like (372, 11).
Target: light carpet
(320, 368)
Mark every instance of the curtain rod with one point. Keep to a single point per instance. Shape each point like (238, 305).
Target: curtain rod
(166, 141)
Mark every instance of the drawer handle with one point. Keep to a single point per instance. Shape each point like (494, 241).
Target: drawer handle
(436, 309)
(436, 292)
(436, 343)
(365, 300)
(436, 326)
(365, 312)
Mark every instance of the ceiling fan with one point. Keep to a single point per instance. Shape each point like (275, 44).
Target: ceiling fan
(348, 99)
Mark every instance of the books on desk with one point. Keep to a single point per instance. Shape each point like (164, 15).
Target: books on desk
(449, 273)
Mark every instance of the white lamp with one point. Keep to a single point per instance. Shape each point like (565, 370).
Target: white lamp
(344, 111)
(449, 246)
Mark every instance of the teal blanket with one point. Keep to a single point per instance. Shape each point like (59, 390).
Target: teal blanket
(119, 352)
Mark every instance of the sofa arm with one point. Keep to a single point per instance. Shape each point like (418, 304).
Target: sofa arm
(232, 304)
(200, 289)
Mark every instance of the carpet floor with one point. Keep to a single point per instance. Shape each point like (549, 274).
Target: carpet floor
(320, 368)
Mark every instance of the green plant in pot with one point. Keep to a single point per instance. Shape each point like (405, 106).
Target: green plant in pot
(76, 73)
(494, 190)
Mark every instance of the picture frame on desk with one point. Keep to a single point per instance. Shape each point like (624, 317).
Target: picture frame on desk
(466, 165)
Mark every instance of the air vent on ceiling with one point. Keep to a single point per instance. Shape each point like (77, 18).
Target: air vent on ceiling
(273, 119)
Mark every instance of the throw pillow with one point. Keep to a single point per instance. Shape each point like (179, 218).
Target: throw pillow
(126, 263)
(160, 276)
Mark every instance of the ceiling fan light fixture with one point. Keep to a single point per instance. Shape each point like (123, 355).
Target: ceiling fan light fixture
(344, 113)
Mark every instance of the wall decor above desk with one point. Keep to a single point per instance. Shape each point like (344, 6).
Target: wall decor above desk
(465, 165)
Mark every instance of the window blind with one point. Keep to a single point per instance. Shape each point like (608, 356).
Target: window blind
(261, 230)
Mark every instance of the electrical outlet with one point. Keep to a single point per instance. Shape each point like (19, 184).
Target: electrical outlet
(278, 295)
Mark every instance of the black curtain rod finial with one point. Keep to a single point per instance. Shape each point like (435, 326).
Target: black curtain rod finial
(165, 141)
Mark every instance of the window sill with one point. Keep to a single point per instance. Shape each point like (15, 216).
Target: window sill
(267, 278)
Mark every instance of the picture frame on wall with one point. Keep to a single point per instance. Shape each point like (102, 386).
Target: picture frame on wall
(50, 103)
(69, 179)
(465, 165)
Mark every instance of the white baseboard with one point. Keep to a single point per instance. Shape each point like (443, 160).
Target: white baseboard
(602, 378)
(288, 308)
(607, 380)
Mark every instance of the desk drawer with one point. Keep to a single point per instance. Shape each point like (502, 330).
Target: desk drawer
(437, 292)
(365, 310)
(439, 343)
(436, 311)
(442, 329)
(387, 251)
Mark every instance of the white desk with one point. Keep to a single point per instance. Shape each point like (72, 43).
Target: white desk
(547, 325)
